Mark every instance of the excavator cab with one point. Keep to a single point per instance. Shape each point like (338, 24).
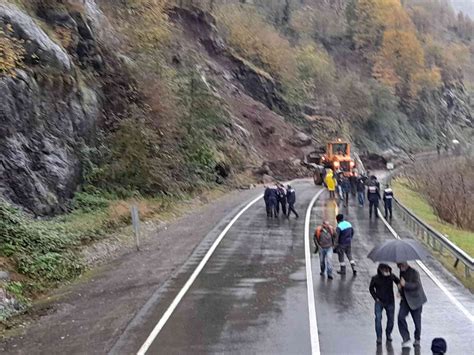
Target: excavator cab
(336, 157)
(338, 149)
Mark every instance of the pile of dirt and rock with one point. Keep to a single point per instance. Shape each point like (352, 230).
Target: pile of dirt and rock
(281, 170)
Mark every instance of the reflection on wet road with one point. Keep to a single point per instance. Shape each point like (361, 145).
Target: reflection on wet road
(345, 309)
(251, 296)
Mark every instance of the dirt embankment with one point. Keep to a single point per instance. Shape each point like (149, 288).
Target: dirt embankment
(252, 96)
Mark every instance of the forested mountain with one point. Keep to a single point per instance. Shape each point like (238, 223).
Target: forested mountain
(165, 97)
(466, 6)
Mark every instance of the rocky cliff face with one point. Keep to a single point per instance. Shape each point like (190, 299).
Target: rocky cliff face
(72, 85)
(47, 112)
(77, 79)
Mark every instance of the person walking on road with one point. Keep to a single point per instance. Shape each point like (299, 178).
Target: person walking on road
(339, 186)
(373, 196)
(361, 191)
(346, 189)
(281, 199)
(387, 201)
(413, 297)
(324, 237)
(381, 289)
(291, 198)
(330, 182)
(270, 197)
(343, 245)
(353, 180)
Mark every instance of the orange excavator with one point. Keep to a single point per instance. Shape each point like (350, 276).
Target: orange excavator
(337, 157)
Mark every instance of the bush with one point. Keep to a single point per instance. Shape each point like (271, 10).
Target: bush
(258, 41)
(11, 52)
(355, 98)
(39, 251)
(316, 70)
(86, 202)
(448, 186)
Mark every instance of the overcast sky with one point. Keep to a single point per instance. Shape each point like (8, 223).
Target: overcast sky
(466, 6)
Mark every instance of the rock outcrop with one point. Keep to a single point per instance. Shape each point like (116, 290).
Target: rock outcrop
(46, 113)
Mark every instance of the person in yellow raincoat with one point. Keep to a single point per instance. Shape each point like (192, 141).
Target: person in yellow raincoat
(330, 182)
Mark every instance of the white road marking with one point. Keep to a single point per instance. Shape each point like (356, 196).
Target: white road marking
(161, 323)
(432, 276)
(313, 324)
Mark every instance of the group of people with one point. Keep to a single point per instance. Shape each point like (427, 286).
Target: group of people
(356, 184)
(412, 300)
(329, 240)
(276, 197)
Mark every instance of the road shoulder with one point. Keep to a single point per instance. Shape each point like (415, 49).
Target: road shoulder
(100, 305)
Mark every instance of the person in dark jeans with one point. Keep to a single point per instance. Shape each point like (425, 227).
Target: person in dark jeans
(291, 199)
(373, 195)
(346, 189)
(270, 198)
(381, 289)
(413, 297)
(281, 199)
(361, 191)
(324, 236)
(387, 201)
(343, 244)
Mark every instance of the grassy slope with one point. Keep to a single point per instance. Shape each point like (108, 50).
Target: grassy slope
(416, 203)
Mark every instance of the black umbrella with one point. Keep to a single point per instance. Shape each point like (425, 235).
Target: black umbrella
(398, 251)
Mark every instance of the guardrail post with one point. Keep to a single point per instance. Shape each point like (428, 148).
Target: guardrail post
(456, 263)
(467, 272)
(136, 225)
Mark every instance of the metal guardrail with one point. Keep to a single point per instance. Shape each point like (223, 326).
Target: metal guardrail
(431, 236)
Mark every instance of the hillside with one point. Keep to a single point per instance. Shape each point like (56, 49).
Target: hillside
(466, 6)
(106, 100)
(162, 103)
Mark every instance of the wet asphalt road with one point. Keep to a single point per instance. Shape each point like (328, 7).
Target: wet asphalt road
(251, 296)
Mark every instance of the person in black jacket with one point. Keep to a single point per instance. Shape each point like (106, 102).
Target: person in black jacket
(413, 298)
(381, 289)
(281, 199)
(373, 195)
(270, 197)
(291, 199)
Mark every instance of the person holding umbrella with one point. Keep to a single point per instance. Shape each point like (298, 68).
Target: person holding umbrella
(413, 298)
(410, 287)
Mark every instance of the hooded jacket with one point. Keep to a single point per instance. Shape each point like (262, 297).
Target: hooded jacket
(330, 181)
(381, 287)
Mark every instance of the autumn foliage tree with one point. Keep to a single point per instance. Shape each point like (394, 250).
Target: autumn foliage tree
(258, 41)
(400, 64)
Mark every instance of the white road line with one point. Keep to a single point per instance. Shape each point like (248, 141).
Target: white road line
(432, 276)
(313, 324)
(161, 323)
